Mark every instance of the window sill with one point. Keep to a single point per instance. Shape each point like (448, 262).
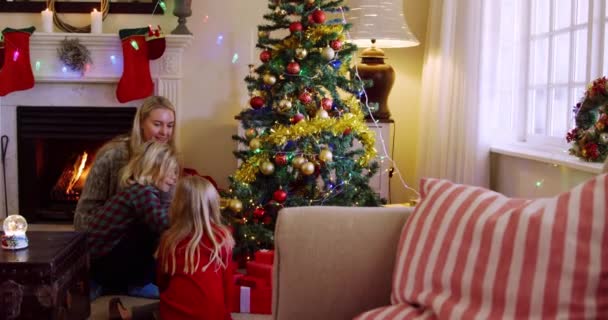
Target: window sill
(548, 155)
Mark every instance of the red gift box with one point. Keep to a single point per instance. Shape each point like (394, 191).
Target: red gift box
(252, 300)
(252, 282)
(259, 270)
(264, 256)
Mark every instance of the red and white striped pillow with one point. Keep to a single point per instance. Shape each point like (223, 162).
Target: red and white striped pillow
(470, 253)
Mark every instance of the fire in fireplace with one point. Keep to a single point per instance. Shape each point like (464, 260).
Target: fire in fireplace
(55, 148)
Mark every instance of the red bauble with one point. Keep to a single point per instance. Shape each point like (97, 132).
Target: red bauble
(346, 131)
(335, 44)
(279, 196)
(267, 220)
(265, 56)
(280, 159)
(305, 97)
(326, 103)
(256, 102)
(295, 27)
(258, 212)
(297, 118)
(318, 16)
(293, 68)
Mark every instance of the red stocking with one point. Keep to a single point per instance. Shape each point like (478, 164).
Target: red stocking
(1, 54)
(16, 73)
(156, 43)
(136, 81)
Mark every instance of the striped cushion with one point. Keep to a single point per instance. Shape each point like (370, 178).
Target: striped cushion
(468, 252)
(402, 311)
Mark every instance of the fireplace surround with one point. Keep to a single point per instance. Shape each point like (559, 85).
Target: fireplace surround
(57, 91)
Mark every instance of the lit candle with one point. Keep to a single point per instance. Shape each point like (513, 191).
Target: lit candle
(47, 20)
(96, 19)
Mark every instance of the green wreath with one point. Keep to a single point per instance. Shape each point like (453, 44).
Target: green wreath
(590, 136)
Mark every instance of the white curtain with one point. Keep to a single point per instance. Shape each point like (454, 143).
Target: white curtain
(470, 84)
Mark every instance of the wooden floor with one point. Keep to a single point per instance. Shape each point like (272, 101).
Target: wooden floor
(99, 307)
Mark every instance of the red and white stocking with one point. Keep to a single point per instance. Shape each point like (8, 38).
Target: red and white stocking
(16, 73)
(136, 81)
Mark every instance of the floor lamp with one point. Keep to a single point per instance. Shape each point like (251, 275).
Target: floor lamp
(375, 25)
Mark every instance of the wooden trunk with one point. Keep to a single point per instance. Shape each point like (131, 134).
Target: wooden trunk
(48, 280)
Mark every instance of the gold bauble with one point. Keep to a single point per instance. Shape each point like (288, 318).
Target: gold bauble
(236, 205)
(307, 168)
(250, 133)
(269, 79)
(298, 161)
(322, 114)
(263, 34)
(280, 12)
(328, 53)
(301, 53)
(325, 155)
(284, 105)
(255, 143)
(224, 203)
(267, 167)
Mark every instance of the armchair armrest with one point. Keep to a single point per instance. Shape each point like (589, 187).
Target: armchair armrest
(334, 262)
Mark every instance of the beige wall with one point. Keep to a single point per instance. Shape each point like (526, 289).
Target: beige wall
(214, 90)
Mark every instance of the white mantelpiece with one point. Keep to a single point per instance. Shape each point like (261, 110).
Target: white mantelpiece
(97, 88)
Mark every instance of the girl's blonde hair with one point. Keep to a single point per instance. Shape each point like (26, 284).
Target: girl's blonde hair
(150, 104)
(150, 165)
(195, 213)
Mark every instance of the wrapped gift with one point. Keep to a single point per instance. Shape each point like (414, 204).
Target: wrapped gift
(259, 270)
(264, 256)
(252, 282)
(252, 300)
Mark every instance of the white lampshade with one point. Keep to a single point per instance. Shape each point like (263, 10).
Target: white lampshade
(382, 20)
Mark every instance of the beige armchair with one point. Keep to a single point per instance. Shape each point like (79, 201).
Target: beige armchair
(334, 262)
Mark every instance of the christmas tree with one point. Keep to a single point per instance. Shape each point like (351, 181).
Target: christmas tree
(301, 125)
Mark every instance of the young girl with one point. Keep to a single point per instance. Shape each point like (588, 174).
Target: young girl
(125, 231)
(193, 256)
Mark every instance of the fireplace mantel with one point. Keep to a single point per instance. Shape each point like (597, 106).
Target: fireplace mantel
(57, 86)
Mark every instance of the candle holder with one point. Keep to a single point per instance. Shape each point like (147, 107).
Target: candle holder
(14, 237)
(182, 10)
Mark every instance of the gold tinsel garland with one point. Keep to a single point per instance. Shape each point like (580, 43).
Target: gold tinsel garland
(282, 134)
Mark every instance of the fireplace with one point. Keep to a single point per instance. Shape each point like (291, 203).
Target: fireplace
(55, 148)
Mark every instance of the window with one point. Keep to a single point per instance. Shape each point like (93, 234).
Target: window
(565, 51)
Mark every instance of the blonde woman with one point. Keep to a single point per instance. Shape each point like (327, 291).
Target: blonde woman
(193, 258)
(154, 120)
(123, 234)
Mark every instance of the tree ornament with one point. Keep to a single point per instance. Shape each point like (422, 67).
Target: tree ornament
(298, 161)
(301, 53)
(336, 63)
(307, 168)
(295, 27)
(280, 159)
(318, 16)
(279, 196)
(293, 68)
(325, 155)
(269, 79)
(310, 2)
(235, 205)
(257, 102)
(297, 118)
(251, 133)
(322, 114)
(280, 12)
(259, 212)
(327, 103)
(346, 131)
(263, 34)
(255, 143)
(604, 138)
(335, 44)
(265, 56)
(284, 105)
(305, 97)
(328, 53)
(267, 168)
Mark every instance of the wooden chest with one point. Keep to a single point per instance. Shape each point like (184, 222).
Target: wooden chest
(48, 280)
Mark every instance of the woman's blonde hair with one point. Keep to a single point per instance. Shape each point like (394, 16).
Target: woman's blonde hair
(195, 213)
(150, 164)
(150, 104)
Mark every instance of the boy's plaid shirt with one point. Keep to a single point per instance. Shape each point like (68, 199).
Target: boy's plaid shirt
(136, 203)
